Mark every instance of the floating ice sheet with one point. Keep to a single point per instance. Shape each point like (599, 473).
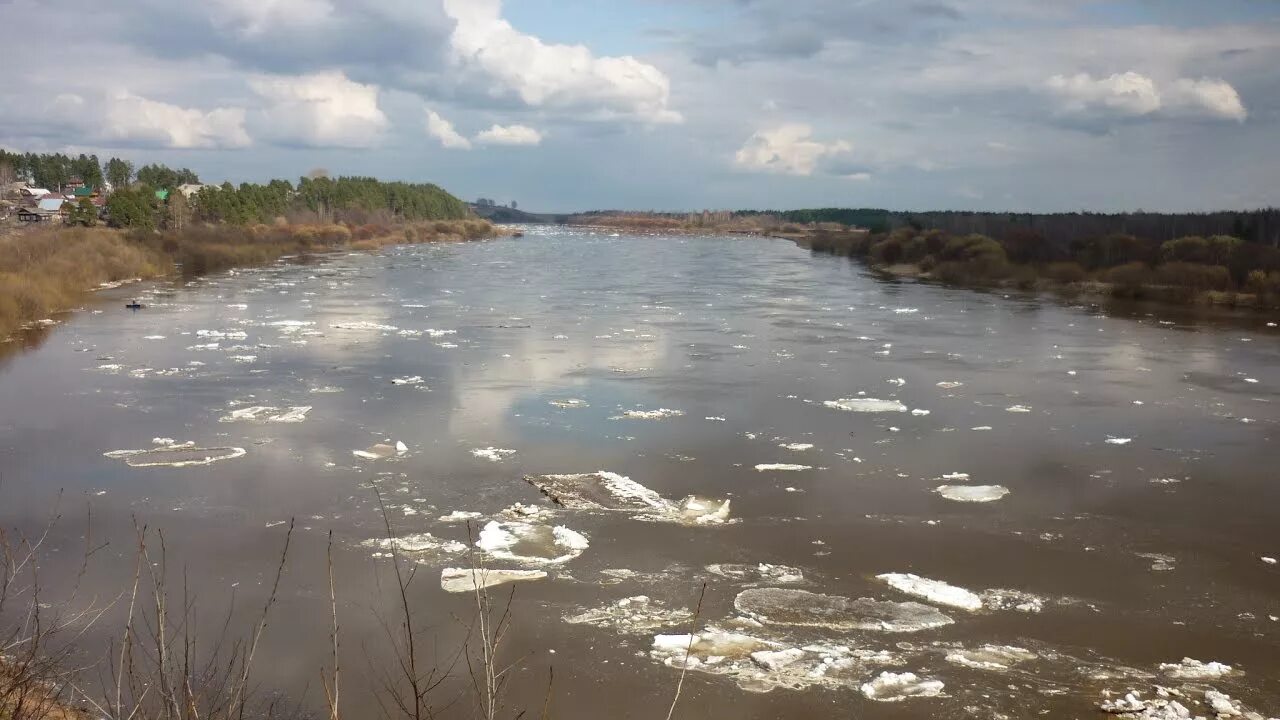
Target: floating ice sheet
(382, 451)
(631, 615)
(175, 455)
(800, 608)
(659, 414)
(866, 405)
(991, 657)
(894, 687)
(460, 580)
(1189, 669)
(972, 493)
(532, 544)
(609, 491)
(761, 665)
(417, 543)
(935, 591)
(782, 467)
(761, 573)
(493, 454)
(569, 404)
(265, 414)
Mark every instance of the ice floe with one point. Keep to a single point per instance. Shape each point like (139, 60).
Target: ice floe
(760, 573)
(1018, 409)
(493, 454)
(461, 580)
(604, 490)
(761, 665)
(991, 657)
(460, 516)
(364, 325)
(265, 414)
(894, 687)
(1119, 441)
(659, 414)
(529, 543)
(636, 614)
(382, 451)
(796, 447)
(569, 404)
(972, 493)
(935, 591)
(417, 543)
(412, 380)
(1189, 669)
(866, 405)
(950, 385)
(782, 467)
(175, 455)
(800, 608)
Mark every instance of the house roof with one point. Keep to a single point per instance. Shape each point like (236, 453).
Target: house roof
(162, 194)
(52, 205)
(36, 191)
(84, 191)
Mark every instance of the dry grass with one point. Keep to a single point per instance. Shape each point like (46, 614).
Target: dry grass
(48, 270)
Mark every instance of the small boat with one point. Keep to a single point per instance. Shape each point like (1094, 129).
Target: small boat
(135, 305)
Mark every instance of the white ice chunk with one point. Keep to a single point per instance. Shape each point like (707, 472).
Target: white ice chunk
(782, 467)
(972, 493)
(1189, 669)
(659, 414)
(531, 544)
(866, 405)
(894, 687)
(935, 591)
(459, 580)
(991, 657)
(493, 454)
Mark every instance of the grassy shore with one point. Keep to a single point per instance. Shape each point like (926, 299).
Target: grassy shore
(51, 270)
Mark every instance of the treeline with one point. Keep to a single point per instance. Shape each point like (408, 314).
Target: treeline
(349, 200)
(344, 199)
(1180, 269)
(54, 171)
(49, 171)
(1058, 230)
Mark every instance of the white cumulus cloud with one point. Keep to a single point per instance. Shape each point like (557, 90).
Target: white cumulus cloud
(124, 117)
(1216, 97)
(563, 77)
(789, 149)
(320, 110)
(1132, 94)
(509, 135)
(443, 130)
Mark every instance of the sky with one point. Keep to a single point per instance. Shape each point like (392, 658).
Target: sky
(568, 105)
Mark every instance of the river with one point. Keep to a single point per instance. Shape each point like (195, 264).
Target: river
(1127, 460)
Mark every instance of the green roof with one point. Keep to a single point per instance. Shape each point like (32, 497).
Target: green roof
(85, 191)
(162, 194)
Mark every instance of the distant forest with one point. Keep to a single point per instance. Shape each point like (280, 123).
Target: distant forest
(1059, 230)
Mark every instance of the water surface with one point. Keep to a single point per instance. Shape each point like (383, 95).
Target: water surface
(1141, 550)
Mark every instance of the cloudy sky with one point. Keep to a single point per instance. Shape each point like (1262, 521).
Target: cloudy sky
(674, 104)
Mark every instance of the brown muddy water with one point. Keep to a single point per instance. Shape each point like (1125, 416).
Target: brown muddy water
(1128, 460)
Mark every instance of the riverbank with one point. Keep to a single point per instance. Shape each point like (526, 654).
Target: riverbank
(47, 271)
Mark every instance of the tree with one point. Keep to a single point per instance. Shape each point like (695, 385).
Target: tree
(119, 173)
(515, 205)
(177, 211)
(132, 208)
(83, 213)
